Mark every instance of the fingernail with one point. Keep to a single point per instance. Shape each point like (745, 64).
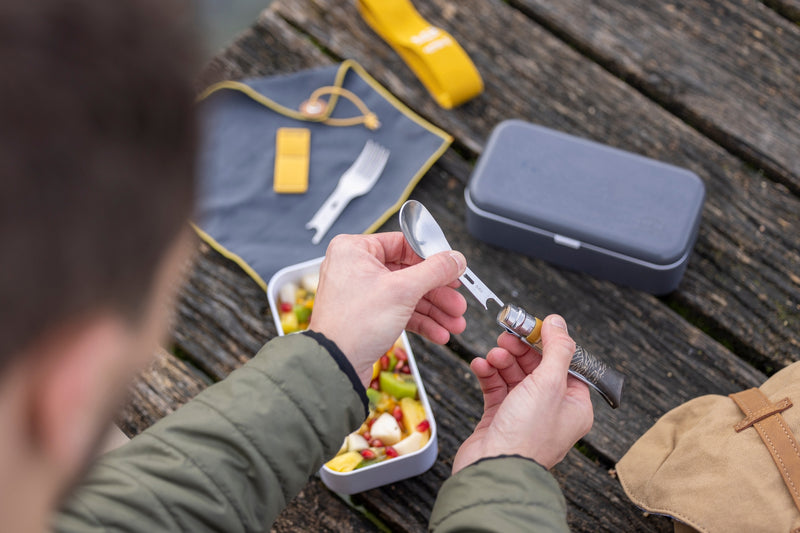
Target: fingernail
(460, 260)
(558, 322)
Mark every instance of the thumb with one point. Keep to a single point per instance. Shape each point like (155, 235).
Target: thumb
(436, 271)
(557, 346)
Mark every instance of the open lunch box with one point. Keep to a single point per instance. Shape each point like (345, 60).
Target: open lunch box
(367, 474)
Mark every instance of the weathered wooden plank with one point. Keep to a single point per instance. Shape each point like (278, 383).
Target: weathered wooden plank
(239, 306)
(163, 386)
(788, 8)
(729, 67)
(253, 53)
(743, 281)
(316, 508)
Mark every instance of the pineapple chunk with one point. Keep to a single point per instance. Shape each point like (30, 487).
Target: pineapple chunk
(376, 369)
(289, 322)
(413, 414)
(346, 462)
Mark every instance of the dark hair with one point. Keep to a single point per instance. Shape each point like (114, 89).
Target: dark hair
(97, 151)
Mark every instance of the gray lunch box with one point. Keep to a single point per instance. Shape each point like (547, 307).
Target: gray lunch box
(585, 206)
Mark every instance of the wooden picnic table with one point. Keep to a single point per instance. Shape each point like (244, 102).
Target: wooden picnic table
(712, 86)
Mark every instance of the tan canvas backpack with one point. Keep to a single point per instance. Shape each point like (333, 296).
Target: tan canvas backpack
(723, 463)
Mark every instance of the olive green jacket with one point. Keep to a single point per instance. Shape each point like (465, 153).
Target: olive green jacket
(232, 458)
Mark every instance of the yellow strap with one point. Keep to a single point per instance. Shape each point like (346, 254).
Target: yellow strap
(440, 63)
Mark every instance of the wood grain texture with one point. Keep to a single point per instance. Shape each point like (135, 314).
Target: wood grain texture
(788, 8)
(730, 67)
(315, 508)
(743, 282)
(166, 384)
(240, 307)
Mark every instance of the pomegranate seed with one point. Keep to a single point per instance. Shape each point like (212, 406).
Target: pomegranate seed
(397, 413)
(366, 436)
(376, 443)
(384, 362)
(399, 366)
(423, 426)
(406, 369)
(286, 307)
(375, 384)
(370, 422)
(400, 354)
(391, 452)
(367, 454)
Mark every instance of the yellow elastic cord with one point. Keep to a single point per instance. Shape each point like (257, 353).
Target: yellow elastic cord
(314, 109)
(443, 67)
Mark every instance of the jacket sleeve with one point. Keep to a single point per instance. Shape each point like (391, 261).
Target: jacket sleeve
(230, 459)
(508, 494)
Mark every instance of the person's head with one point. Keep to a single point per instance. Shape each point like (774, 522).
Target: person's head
(97, 153)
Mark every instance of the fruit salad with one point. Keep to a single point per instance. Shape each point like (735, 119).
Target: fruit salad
(295, 302)
(396, 425)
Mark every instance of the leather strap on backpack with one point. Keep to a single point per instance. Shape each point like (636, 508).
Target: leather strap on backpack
(766, 418)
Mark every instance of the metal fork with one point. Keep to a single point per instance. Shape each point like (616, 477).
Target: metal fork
(356, 181)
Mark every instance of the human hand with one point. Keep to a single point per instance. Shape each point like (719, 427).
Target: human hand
(531, 406)
(371, 287)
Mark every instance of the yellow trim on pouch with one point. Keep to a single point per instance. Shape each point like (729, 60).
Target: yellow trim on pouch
(212, 242)
(443, 67)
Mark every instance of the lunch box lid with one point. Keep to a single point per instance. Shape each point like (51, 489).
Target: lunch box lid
(587, 192)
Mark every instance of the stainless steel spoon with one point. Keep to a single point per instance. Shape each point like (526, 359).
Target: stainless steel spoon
(426, 238)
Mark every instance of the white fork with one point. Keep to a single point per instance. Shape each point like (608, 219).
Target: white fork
(356, 181)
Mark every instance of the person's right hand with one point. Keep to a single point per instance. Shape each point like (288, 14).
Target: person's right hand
(532, 406)
(371, 287)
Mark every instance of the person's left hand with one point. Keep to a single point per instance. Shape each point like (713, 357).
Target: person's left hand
(371, 287)
(532, 406)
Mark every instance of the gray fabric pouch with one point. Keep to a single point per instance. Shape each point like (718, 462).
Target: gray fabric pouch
(240, 215)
